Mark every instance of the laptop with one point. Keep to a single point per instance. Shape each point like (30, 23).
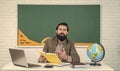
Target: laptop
(19, 59)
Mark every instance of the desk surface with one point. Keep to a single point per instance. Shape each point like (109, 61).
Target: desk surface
(87, 67)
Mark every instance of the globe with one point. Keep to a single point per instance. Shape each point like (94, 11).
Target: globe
(96, 53)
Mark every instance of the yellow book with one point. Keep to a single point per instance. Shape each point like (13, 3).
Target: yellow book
(51, 57)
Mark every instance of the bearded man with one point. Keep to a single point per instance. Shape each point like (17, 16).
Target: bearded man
(61, 45)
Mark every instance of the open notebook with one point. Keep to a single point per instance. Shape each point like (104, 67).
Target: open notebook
(51, 57)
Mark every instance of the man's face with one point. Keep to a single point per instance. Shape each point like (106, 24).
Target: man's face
(62, 30)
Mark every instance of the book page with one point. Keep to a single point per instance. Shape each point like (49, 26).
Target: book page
(51, 57)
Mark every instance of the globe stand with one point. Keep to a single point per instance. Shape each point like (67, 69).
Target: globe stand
(95, 64)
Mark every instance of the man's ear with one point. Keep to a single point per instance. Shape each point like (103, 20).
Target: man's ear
(56, 31)
(67, 32)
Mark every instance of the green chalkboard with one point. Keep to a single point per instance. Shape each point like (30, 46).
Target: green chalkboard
(39, 21)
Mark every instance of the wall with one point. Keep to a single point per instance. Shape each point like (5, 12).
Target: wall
(110, 29)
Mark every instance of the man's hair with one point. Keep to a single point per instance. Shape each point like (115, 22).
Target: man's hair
(65, 24)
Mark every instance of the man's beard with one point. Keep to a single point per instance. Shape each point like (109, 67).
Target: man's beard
(61, 36)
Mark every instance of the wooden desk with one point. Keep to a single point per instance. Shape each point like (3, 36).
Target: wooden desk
(87, 67)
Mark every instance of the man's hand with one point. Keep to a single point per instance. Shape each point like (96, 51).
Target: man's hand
(63, 54)
(41, 59)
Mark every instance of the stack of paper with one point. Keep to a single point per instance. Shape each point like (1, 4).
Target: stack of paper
(78, 65)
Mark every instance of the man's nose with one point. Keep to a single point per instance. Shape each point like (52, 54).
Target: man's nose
(62, 31)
